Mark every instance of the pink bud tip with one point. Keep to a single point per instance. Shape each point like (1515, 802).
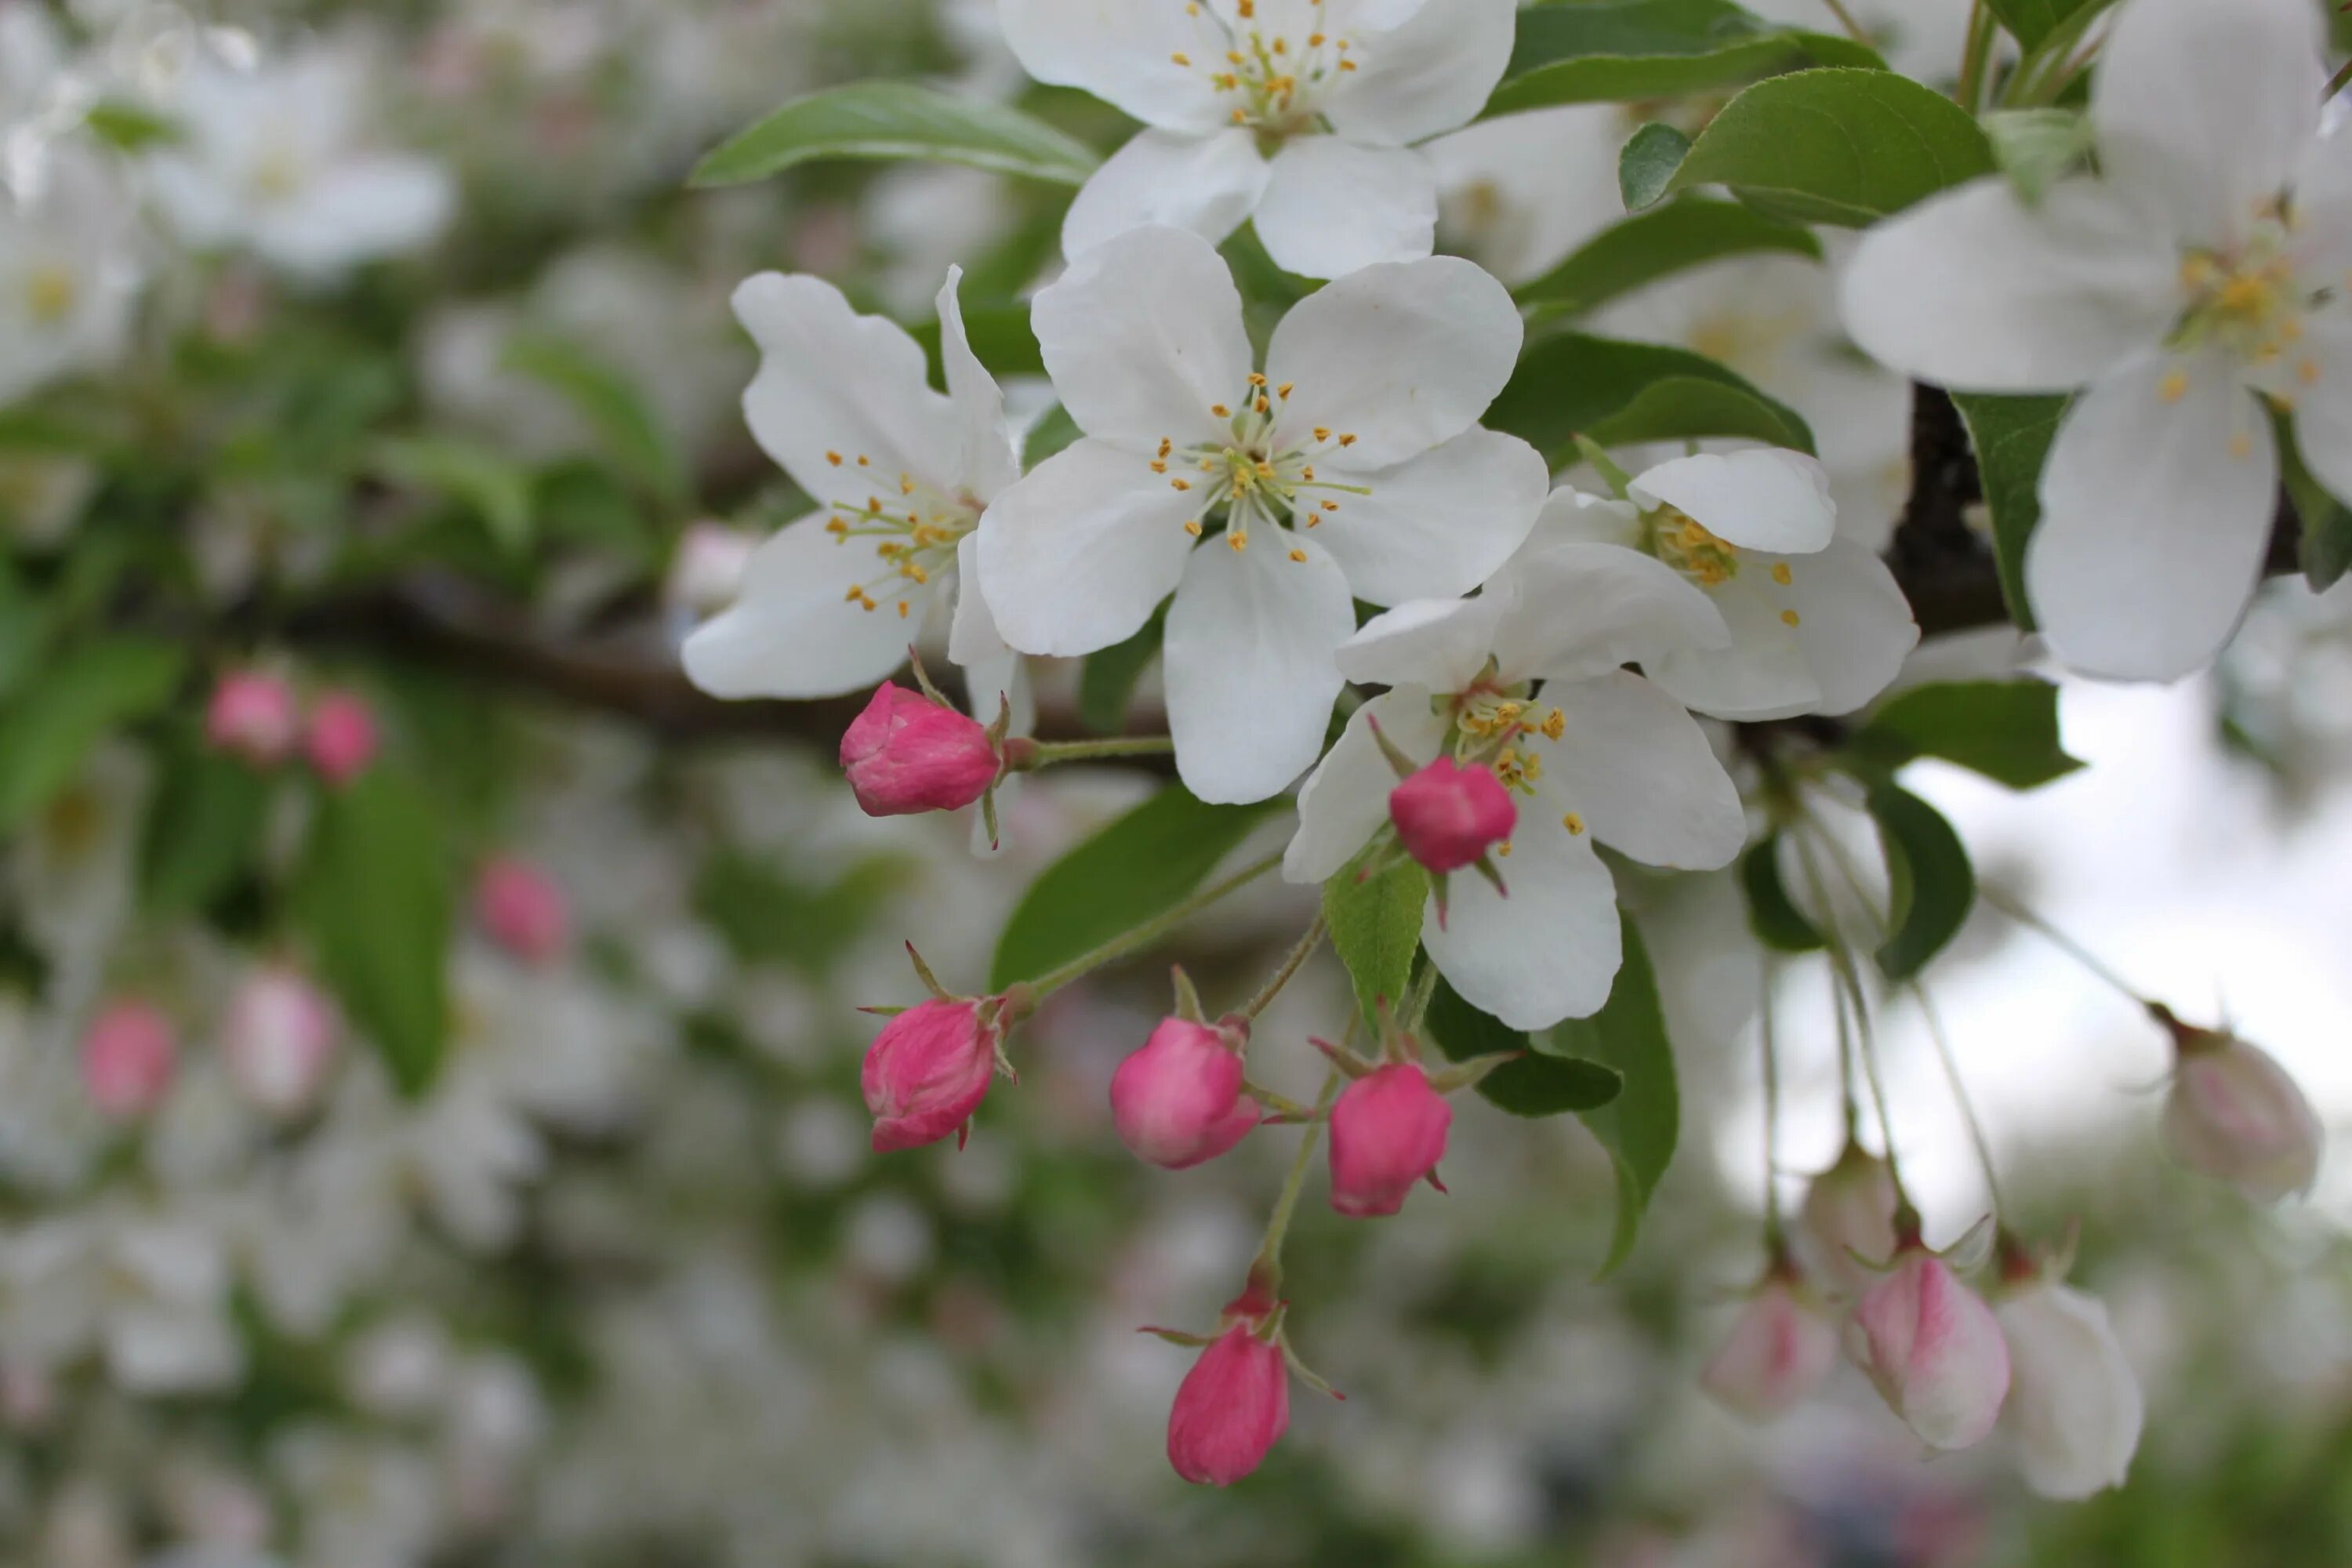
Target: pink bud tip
(340, 740)
(2235, 1115)
(127, 1059)
(252, 716)
(927, 1072)
(1933, 1350)
(522, 910)
(1178, 1101)
(1447, 815)
(1229, 1410)
(906, 753)
(280, 1037)
(1388, 1132)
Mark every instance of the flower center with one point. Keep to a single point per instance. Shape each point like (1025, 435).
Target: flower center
(1257, 474)
(1269, 82)
(279, 172)
(915, 532)
(50, 293)
(1501, 728)
(1679, 540)
(2247, 302)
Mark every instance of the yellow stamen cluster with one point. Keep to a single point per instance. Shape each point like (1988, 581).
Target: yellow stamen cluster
(1257, 473)
(1270, 82)
(50, 294)
(2248, 303)
(1682, 543)
(915, 535)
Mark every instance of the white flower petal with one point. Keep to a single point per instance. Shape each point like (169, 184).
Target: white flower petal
(972, 637)
(834, 384)
(1639, 771)
(1333, 207)
(2322, 241)
(1972, 289)
(1550, 949)
(2074, 1397)
(371, 207)
(1402, 356)
(1143, 336)
(1762, 675)
(1582, 609)
(1439, 644)
(1207, 184)
(1854, 624)
(1759, 498)
(1249, 666)
(1574, 517)
(1346, 799)
(1432, 73)
(988, 462)
(1436, 524)
(2323, 409)
(2155, 516)
(1122, 53)
(2208, 106)
(793, 632)
(1076, 556)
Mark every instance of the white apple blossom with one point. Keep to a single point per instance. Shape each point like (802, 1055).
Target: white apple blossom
(1516, 194)
(1353, 468)
(1525, 678)
(1818, 625)
(2073, 1398)
(277, 160)
(843, 404)
(69, 276)
(2200, 274)
(1301, 113)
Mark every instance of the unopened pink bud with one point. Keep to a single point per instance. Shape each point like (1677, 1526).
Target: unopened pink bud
(1178, 1100)
(1848, 1220)
(522, 910)
(1229, 1410)
(1775, 1356)
(927, 1072)
(280, 1035)
(1388, 1132)
(1933, 1350)
(907, 754)
(340, 740)
(2236, 1116)
(252, 716)
(127, 1059)
(1447, 815)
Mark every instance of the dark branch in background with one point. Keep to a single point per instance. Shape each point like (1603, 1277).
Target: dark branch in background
(1943, 564)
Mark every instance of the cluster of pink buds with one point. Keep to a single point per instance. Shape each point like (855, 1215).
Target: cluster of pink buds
(276, 1037)
(253, 715)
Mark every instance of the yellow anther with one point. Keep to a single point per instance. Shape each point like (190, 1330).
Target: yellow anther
(1347, 65)
(1347, 440)
(902, 609)
(905, 485)
(1330, 506)
(1221, 410)
(1182, 59)
(1789, 618)
(1781, 575)
(1193, 527)
(1158, 466)
(2242, 445)
(1263, 405)
(1322, 432)
(1298, 556)
(1503, 850)
(864, 462)
(1182, 484)
(833, 458)
(854, 595)
(1555, 725)
(1284, 390)
(2308, 371)
(1257, 380)
(1308, 473)
(1237, 540)
(1573, 823)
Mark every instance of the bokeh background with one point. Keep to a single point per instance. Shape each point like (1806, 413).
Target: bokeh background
(626, 1287)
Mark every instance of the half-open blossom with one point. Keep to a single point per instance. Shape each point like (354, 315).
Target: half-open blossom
(1388, 1132)
(1817, 623)
(2234, 1114)
(927, 1071)
(522, 910)
(2200, 272)
(340, 738)
(1524, 680)
(907, 754)
(1932, 1349)
(1779, 1349)
(1178, 1100)
(1302, 113)
(127, 1057)
(900, 475)
(1230, 1408)
(1848, 1220)
(278, 1039)
(1447, 817)
(251, 715)
(1352, 467)
(2074, 1400)
(68, 280)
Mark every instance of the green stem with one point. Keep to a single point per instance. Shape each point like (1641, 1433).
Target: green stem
(1150, 931)
(1850, 993)
(1845, 19)
(1046, 753)
(1300, 953)
(1771, 1120)
(1960, 1095)
(1267, 1269)
(1976, 58)
(2063, 942)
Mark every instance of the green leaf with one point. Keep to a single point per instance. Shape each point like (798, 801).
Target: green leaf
(1571, 382)
(205, 831)
(1054, 431)
(1647, 162)
(627, 434)
(479, 477)
(1643, 248)
(2035, 147)
(2012, 437)
(1624, 51)
(1838, 146)
(1001, 339)
(1141, 866)
(67, 707)
(2327, 521)
(892, 119)
(1771, 914)
(372, 896)
(2005, 730)
(24, 628)
(1106, 684)
(1376, 929)
(1639, 1128)
(128, 127)
(1932, 887)
(1538, 1084)
(2029, 22)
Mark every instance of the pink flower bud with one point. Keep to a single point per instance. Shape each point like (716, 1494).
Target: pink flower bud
(522, 910)
(2236, 1116)
(1230, 1408)
(1848, 1220)
(1388, 1132)
(341, 739)
(1447, 815)
(280, 1035)
(252, 716)
(1178, 1101)
(127, 1059)
(2077, 1404)
(927, 1072)
(1775, 1356)
(1932, 1349)
(907, 754)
